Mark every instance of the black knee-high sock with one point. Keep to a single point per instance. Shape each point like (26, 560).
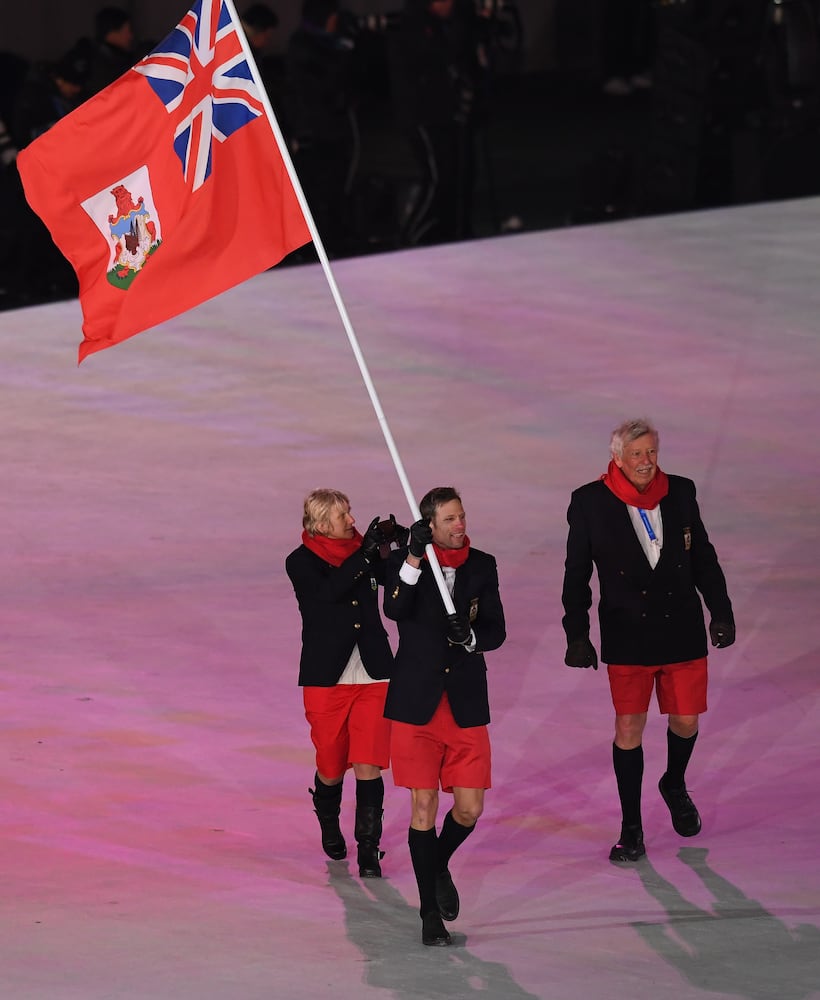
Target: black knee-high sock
(451, 837)
(329, 793)
(628, 766)
(370, 792)
(424, 855)
(679, 750)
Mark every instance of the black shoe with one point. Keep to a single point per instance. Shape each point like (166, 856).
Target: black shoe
(685, 817)
(369, 857)
(630, 845)
(446, 896)
(433, 931)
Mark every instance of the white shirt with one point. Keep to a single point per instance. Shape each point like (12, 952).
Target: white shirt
(651, 549)
(354, 672)
(410, 575)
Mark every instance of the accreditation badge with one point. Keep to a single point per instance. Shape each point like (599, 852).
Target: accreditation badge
(687, 539)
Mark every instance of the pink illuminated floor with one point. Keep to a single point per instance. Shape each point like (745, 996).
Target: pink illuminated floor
(156, 839)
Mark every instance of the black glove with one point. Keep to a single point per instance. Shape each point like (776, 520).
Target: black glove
(421, 535)
(722, 634)
(394, 532)
(581, 653)
(372, 540)
(458, 630)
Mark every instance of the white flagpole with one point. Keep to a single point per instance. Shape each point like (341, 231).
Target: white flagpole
(340, 306)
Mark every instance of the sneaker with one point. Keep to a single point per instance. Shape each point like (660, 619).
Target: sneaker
(685, 817)
(630, 845)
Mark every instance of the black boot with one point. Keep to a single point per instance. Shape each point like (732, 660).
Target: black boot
(452, 836)
(368, 831)
(630, 846)
(327, 802)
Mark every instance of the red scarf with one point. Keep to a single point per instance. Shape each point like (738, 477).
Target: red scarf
(332, 550)
(624, 490)
(453, 557)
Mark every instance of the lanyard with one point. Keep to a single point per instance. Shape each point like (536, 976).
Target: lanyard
(652, 536)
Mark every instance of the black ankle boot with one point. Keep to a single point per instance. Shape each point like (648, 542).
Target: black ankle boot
(327, 810)
(368, 831)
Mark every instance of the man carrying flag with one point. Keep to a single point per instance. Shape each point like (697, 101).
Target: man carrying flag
(168, 187)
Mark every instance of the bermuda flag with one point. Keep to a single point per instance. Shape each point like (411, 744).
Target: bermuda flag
(168, 187)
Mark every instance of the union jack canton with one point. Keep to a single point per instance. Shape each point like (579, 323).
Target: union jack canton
(201, 75)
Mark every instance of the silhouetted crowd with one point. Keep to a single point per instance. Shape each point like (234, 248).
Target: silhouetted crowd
(388, 118)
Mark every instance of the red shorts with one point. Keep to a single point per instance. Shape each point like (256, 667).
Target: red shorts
(347, 726)
(440, 753)
(680, 687)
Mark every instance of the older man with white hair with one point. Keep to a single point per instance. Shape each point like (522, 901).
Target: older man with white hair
(643, 533)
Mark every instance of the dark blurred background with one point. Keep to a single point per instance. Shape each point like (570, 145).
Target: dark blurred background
(528, 114)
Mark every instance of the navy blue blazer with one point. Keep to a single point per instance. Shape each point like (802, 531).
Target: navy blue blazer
(340, 609)
(647, 616)
(426, 664)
